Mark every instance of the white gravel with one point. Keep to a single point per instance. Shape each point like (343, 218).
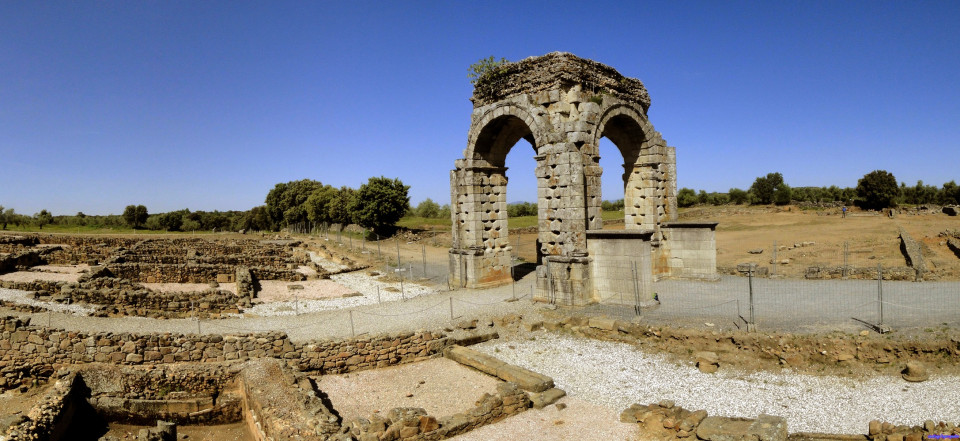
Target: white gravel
(371, 290)
(618, 375)
(26, 298)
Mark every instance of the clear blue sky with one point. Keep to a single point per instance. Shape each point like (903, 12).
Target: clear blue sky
(207, 104)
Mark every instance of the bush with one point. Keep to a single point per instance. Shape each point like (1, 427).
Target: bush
(428, 209)
(738, 196)
(520, 209)
(686, 197)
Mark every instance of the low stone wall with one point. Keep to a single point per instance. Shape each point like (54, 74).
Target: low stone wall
(860, 273)
(883, 431)
(50, 417)
(29, 353)
(911, 252)
(183, 393)
(19, 261)
(291, 411)
(413, 423)
(665, 421)
(954, 245)
(193, 273)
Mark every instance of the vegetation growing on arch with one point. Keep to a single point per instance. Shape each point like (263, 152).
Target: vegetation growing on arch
(483, 67)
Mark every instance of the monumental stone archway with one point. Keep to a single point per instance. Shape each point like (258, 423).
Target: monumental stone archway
(562, 105)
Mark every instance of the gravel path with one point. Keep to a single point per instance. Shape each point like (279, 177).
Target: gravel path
(616, 375)
(26, 298)
(334, 318)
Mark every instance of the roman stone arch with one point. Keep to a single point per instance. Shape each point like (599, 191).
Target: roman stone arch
(649, 167)
(562, 105)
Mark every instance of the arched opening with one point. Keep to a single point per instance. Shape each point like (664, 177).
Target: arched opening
(612, 186)
(492, 148)
(624, 132)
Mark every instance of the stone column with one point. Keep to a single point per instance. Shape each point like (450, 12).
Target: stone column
(480, 255)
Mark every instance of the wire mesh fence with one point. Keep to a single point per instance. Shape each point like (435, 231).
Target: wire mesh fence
(800, 286)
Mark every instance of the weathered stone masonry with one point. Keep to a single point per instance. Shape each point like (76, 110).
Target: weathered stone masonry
(562, 105)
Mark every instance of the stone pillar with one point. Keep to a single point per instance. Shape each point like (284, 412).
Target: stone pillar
(670, 176)
(481, 255)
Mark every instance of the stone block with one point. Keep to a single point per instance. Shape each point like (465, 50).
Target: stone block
(546, 398)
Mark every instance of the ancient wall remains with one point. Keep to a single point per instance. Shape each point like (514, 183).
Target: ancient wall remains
(687, 249)
(413, 423)
(29, 352)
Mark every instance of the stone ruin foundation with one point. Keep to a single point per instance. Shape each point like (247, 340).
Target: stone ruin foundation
(563, 105)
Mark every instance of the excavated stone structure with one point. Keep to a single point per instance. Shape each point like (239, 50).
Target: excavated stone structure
(562, 105)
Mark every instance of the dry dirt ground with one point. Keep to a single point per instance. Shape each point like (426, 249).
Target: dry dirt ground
(440, 386)
(871, 238)
(223, 432)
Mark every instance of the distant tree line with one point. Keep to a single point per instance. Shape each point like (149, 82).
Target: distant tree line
(875, 190)
(376, 205)
(380, 203)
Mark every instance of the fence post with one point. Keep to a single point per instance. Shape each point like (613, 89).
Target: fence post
(752, 326)
(880, 292)
(353, 332)
(636, 289)
(398, 251)
(451, 308)
(378, 294)
(423, 249)
(775, 248)
(846, 257)
(513, 283)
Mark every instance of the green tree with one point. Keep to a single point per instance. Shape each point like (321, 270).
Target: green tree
(135, 215)
(719, 198)
(782, 195)
(5, 215)
(171, 221)
(341, 206)
(738, 196)
(255, 219)
(877, 190)
(380, 203)
(686, 197)
(950, 194)
(428, 209)
(285, 201)
(444, 212)
(522, 209)
(769, 189)
(484, 67)
(318, 204)
(43, 218)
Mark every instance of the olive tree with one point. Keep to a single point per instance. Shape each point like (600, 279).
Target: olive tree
(380, 203)
(135, 215)
(877, 190)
